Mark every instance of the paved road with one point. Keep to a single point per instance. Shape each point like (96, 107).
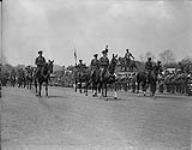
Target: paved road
(69, 120)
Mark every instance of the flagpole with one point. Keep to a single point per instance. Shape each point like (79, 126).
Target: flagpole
(1, 2)
(75, 55)
(1, 50)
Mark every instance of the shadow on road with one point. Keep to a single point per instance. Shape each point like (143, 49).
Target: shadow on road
(56, 96)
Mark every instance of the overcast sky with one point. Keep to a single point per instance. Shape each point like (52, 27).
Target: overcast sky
(59, 26)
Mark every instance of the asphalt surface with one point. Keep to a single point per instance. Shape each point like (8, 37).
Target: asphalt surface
(69, 120)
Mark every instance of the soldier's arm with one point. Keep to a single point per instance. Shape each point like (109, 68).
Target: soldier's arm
(44, 60)
(36, 61)
(132, 56)
(91, 63)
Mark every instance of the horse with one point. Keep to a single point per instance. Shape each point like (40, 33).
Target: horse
(43, 77)
(13, 78)
(82, 80)
(29, 76)
(21, 79)
(108, 77)
(147, 80)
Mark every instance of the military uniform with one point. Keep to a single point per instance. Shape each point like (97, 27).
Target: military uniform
(39, 61)
(95, 64)
(158, 68)
(148, 66)
(81, 67)
(104, 64)
(128, 57)
(148, 69)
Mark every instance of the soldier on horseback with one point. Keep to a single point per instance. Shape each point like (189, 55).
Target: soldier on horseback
(158, 68)
(95, 63)
(40, 61)
(104, 62)
(81, 67)
(148, 68)
(128, 56)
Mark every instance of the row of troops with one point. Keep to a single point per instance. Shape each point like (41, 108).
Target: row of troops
(168, 82)
(103, 63)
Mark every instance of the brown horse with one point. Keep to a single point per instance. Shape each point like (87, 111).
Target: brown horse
(43, 77)
(108, 77)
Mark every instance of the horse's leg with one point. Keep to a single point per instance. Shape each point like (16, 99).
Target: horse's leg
(86, 89)
(138, 86)
(94, 90)
(80, 86)
(105, 90)
(115, 90)
(144, 88)
(46, 88)
(102, 89)
(40, 86)
(35, 83)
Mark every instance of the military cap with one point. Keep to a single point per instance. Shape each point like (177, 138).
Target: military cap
(149, 58)
(95, 55)
(40, 52)
(104, 52)
(80, 60)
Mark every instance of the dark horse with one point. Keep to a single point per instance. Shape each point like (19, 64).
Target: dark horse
(108, 77)
(82, 80)
(43, 77)
(29, 76)
(21, 79)
(13, 78)
(146, 80)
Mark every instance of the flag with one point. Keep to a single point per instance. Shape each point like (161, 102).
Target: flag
(75, 54)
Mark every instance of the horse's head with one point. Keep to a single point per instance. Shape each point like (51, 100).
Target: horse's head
(50, 66)
(113, 63)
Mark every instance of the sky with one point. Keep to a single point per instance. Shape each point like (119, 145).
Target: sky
(59, 26)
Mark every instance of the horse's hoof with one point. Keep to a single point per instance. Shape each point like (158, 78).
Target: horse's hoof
(115, 97)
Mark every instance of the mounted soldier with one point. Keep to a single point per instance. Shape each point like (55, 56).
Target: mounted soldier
(158, 68)
(148, 68)
(104, 62)
(95, 63)
(128, 56)
(81, 67)
(40, 62)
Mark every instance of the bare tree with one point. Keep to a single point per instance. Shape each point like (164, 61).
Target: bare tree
(167, 57)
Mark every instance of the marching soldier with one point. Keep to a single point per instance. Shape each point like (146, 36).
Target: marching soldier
(104, 62)
(40, 61)
(94, 64)
(128, 56)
